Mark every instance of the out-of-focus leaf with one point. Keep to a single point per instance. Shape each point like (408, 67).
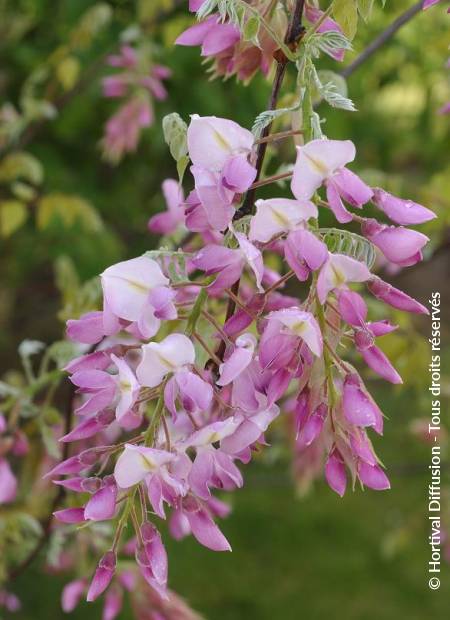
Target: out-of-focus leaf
(365, 8)
(91, 23)
(175, 135)
(21, 165)
(13, 214)
(77, 298)
(23, 191)
(346, 14)
(30, 347)
(68, 210)
(68, 71)
(251, 29)
(62, 352)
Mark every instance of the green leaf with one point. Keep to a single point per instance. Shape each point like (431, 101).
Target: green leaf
(350, 244)
(21, 165)
(346, 14)
(68, 210)
(175, 135)
(182, 164)
(13, 214)
(67, 72)
(251, 29)
(52, 446)
(365, 8)
(196, 312)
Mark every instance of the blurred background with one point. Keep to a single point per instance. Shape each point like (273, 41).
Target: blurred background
(66, 213)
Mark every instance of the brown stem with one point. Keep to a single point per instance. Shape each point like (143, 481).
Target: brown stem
(280, 136)
(269, 180)
(382, 38)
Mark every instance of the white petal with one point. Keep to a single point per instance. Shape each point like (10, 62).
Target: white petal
(162, 358)
(126, 286)
(316, 161)
(278, 215)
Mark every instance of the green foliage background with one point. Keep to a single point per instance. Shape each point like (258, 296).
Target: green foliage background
(364, 557)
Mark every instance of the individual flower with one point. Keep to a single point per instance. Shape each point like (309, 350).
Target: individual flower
(399, 245)
(238, 360)
(284, 331)
(229, 263)
(322, 162)
(135, 291)
(395, 297)
(173, 354)
(353, 310)
(169, 221)
(279, 215)
(337, 271)
(335, 472)
(104, 390)
(8, 483)
(404, 212)
(136, 463)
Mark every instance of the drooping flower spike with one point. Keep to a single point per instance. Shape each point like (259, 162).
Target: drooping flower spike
(198, 351)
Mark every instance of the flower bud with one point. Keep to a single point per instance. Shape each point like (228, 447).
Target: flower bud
(103, 576)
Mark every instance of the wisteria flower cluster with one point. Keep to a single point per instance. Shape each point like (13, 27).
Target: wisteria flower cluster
(138, 83)
(231, 54)
(188, 423)
(252, 313)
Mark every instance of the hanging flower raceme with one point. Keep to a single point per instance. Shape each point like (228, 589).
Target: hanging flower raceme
(198, 351)
(138, 88)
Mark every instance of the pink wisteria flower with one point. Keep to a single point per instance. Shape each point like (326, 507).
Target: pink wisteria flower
(138, 88)
(222, 43)
(198, 352)
(172, 219)
(322, 162)
(136, 292)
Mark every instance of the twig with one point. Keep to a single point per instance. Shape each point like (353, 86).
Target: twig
(382, 38)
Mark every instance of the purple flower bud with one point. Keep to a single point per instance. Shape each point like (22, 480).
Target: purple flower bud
(359, 409)
(335, 473)
(155, 552)
(313, 425)
(405, 212)
(395, 297)
(102, 505)
(89, 457)
(70, 515)
(362, 447)
(91, 485)
(102, 577)
(373, 476)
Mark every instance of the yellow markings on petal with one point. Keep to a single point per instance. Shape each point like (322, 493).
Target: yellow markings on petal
(280, 218)
(125, 386)
(299, 328)
(149, 463)
(221, 141)
(337, 277)
(317, 165)
(166, 362)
